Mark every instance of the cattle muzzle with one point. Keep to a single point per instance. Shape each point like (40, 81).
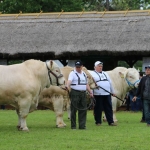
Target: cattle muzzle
(132, 84)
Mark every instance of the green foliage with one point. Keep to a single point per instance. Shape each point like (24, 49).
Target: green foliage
(92, 5)
(125, 4)
(44, 135)
(11, 62)
(137, 65)
(30, 6)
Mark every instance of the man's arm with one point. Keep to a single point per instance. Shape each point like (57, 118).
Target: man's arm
(68, 84)
(138, 91)
(89, 90)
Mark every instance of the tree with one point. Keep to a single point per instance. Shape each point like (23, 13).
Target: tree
(30, 6)
(128, 4)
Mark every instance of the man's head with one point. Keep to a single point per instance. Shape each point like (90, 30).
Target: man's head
(98, 66)
(78, 65)
(147, 70)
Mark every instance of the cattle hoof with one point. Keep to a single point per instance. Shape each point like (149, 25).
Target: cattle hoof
(104, 120)
(24, 129)
(60, 126)
(18, 127)
(68, 118)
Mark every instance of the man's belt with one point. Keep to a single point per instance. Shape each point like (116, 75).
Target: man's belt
(78, 91)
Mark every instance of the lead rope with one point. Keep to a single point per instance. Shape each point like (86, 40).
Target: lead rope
(92, 104)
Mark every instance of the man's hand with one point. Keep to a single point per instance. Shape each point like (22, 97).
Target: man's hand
(134, 99)
(91, 95)
(113, 95)
(69, 89)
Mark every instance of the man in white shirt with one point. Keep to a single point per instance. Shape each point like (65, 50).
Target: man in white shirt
(77, 81)
(102, 97)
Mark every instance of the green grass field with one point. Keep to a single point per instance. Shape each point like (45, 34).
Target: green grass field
(130, 134)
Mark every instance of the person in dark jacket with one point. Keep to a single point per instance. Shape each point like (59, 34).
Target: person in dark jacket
(143, 92)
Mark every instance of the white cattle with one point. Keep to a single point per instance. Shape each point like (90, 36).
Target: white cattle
(21, 85)
(55, 98)
(123, 80)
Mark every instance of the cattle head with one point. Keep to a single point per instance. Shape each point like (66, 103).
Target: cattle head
(91, 81)
(131, 76)
(55, 75)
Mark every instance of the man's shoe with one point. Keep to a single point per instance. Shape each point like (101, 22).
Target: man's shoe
(113, 124)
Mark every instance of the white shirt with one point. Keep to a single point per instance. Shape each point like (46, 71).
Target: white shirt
(77, 77)
(102, 79)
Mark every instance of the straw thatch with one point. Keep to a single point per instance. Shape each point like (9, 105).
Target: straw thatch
(75, 37)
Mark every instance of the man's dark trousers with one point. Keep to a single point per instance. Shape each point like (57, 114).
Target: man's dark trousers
(78, 102)
(103, 102)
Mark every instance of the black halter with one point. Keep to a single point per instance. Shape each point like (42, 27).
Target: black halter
(50, 72)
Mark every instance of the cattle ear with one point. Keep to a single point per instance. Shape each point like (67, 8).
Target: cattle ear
(121, 75)
(51, 63)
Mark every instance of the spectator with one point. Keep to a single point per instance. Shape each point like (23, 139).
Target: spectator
(103, 98)
(143, 91)
(77, 81)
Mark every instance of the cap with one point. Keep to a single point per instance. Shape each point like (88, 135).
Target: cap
(147, 67)
(98, 63)
(78, 63)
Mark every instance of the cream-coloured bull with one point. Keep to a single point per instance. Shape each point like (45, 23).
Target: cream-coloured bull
(123, 80)
(55, 98)
(21, 85)
(66, 71)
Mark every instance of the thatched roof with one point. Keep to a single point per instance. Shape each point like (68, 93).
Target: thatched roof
(75, 37)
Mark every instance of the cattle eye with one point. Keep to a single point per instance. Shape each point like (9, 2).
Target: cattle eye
(131, 77)
(56, 70)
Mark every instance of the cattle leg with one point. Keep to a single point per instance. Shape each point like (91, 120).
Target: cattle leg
(58, 109)
(19, 119)
(68, 109)
(23, 113)
(68, 112)
(114, 116)
(114, 106)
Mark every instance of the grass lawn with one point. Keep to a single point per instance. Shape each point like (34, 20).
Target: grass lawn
(130, 134)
